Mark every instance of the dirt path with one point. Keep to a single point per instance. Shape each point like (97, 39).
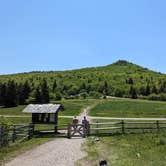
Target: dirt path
(59, 152)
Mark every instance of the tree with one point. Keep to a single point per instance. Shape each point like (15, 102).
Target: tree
(130, 81)
(58, 96)
(84, 95)
(23, 91)
(38, 96)
(133, 93)
(54, 87)
(45, 92)
(3, 89)
(147, 91)
(105, 88)
(118, 92)
(26, 89)
(21, 95)
(142, 91)
(154, 90)
(11, 98)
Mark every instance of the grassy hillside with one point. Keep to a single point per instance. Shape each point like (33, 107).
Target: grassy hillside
(116, 79)
(129, 108)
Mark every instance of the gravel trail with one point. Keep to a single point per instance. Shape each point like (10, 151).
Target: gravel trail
(58, 152)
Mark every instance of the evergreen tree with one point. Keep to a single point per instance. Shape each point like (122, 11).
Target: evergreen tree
(105, 88)
(130, 81)
(147, 92)
(54, 87)
(26, 89)
(133, 93)
(38, 96)
(45, 92)
(21, 95)
(11, 98)
(23, 92)
(142, 91)
(2, 93)
(58, 96)
(154, 90)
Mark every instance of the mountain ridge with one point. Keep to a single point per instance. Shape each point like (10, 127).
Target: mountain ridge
(118, 63)
(120, 79)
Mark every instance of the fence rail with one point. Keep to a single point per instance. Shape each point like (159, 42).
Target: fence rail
(15, 133)
(125, 126)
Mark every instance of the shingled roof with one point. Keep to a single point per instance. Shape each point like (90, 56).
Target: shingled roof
(42, 108)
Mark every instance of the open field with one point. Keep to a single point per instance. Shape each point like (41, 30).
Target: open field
(129, 108)
(127, 150)
(71, 108)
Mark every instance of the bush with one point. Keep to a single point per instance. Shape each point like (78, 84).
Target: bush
(159, 97)
(162, 141)
(58, 96)
(84, 95)
(95, 95)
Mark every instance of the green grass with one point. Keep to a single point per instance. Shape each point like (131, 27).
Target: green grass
(13, 111)
(127, 150)
(129, 108)
(74, 107)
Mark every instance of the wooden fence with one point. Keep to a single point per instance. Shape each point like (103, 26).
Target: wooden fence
(3, 135)
(15, 133)
(126, 127)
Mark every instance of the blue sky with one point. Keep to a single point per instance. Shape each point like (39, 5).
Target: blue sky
(69, 34)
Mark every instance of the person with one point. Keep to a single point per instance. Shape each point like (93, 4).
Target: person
(75, 120)
(85, 122)
(103, 163)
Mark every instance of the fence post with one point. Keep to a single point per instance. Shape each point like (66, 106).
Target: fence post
(88, 129)
(30, 131)
(68, 131)
(14, 134)
(4, 135)
(97, 126)
(123, 127)
(158, 126)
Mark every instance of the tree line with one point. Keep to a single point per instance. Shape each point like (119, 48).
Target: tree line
(13, 93)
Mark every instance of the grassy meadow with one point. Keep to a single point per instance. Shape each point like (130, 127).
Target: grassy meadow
(128, 108)
(119, 149)
(71, 108)
(127, 150)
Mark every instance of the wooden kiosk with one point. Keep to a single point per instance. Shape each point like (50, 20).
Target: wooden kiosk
(44, 113)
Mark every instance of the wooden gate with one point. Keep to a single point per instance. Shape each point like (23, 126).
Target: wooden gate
(76, 130)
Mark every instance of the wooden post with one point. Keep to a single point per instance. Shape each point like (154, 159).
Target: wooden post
(56, 122)
(14, 134)
(84, 131)
(69, 131)
(30, 131)
(158, 126)
(88, 129)
(123, 127)
(97, 126)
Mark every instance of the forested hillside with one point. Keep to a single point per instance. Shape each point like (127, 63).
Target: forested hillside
(120, 79)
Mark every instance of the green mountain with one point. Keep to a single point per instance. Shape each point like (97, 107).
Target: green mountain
(122, 79)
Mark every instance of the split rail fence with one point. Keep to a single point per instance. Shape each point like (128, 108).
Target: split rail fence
(123, 126)
(15, 133)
